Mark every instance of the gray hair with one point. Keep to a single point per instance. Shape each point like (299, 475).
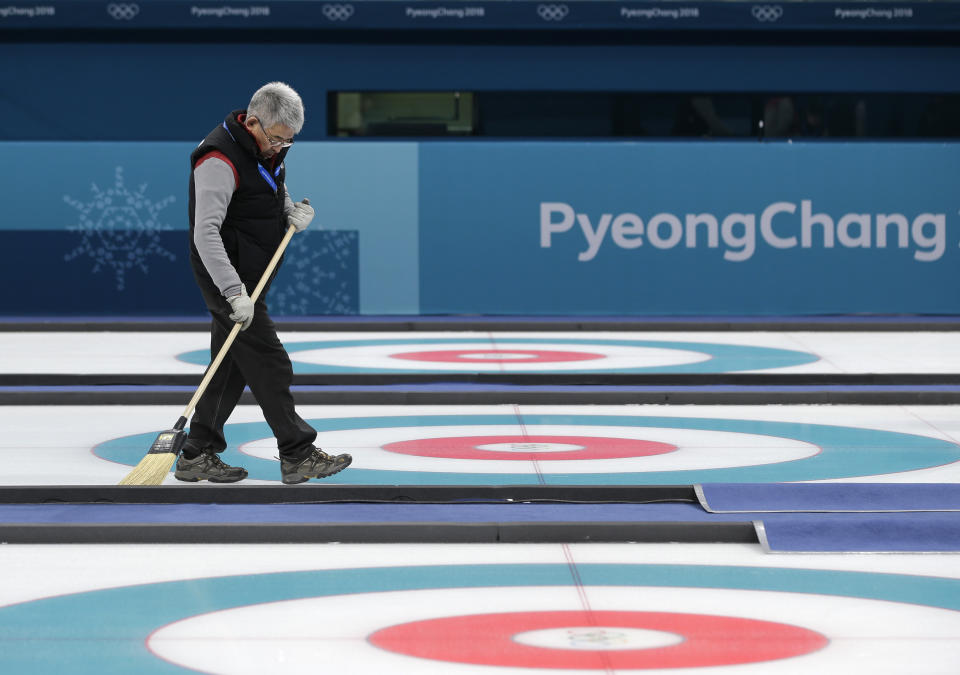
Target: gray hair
(277, 103)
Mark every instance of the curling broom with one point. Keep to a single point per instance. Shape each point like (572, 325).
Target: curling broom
(155, 466)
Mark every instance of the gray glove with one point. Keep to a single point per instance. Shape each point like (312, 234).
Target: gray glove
(301, 215)
(242, 309)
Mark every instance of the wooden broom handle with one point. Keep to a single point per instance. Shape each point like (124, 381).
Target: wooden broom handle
(236, 328)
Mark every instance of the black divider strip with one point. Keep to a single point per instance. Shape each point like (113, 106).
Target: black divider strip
(697, 324)
(334, 396)
(319, 494)
(382, 533)
(503, 378)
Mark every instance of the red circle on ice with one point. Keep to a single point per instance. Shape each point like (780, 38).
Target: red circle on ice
(488, 639)
(497, 356)
(529, 448)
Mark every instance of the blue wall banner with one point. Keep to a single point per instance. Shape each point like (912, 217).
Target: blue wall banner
(474, 227)
(689, 228)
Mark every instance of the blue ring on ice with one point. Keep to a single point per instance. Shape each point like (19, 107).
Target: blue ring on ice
(846, 452)
(107, 630)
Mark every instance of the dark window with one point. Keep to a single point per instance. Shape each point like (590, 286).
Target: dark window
(527, 114)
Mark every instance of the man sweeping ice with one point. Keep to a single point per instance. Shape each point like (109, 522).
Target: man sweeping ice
(239, 213)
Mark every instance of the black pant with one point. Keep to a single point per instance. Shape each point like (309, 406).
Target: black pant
(257, 358)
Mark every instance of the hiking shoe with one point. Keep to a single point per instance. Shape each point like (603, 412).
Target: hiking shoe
(208, 466)
(317, 464)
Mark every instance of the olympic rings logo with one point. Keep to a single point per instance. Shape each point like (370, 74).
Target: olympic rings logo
(765, 13)
(552, 12)
(123, 11)
(338, 12)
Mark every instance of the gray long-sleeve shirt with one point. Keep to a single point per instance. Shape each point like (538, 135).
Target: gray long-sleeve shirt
(214, 184)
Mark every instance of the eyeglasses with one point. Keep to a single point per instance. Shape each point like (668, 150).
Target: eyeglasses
(275, 141)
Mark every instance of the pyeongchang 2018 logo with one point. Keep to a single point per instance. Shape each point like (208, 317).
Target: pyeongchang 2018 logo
(552, 12)
(766, 13)
(780, 225)
(337, 12)
(123, 11)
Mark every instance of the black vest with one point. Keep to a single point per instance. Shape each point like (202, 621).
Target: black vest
(255, 223)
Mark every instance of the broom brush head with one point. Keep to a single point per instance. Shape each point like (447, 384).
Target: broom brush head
(155, 466)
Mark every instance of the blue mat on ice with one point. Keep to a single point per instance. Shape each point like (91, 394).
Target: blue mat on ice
(912, 532)
(843, 517)
(827, 497)
(927, 532)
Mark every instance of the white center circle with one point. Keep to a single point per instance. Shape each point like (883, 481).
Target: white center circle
(530, 447)
(496, 356)
(598, 638)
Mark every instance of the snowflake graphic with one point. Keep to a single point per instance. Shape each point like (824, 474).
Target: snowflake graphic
(119, 228)
(316, 277)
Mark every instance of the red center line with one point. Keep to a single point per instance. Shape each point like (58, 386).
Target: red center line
(523, 432)
(585, 602)
(493, 346)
